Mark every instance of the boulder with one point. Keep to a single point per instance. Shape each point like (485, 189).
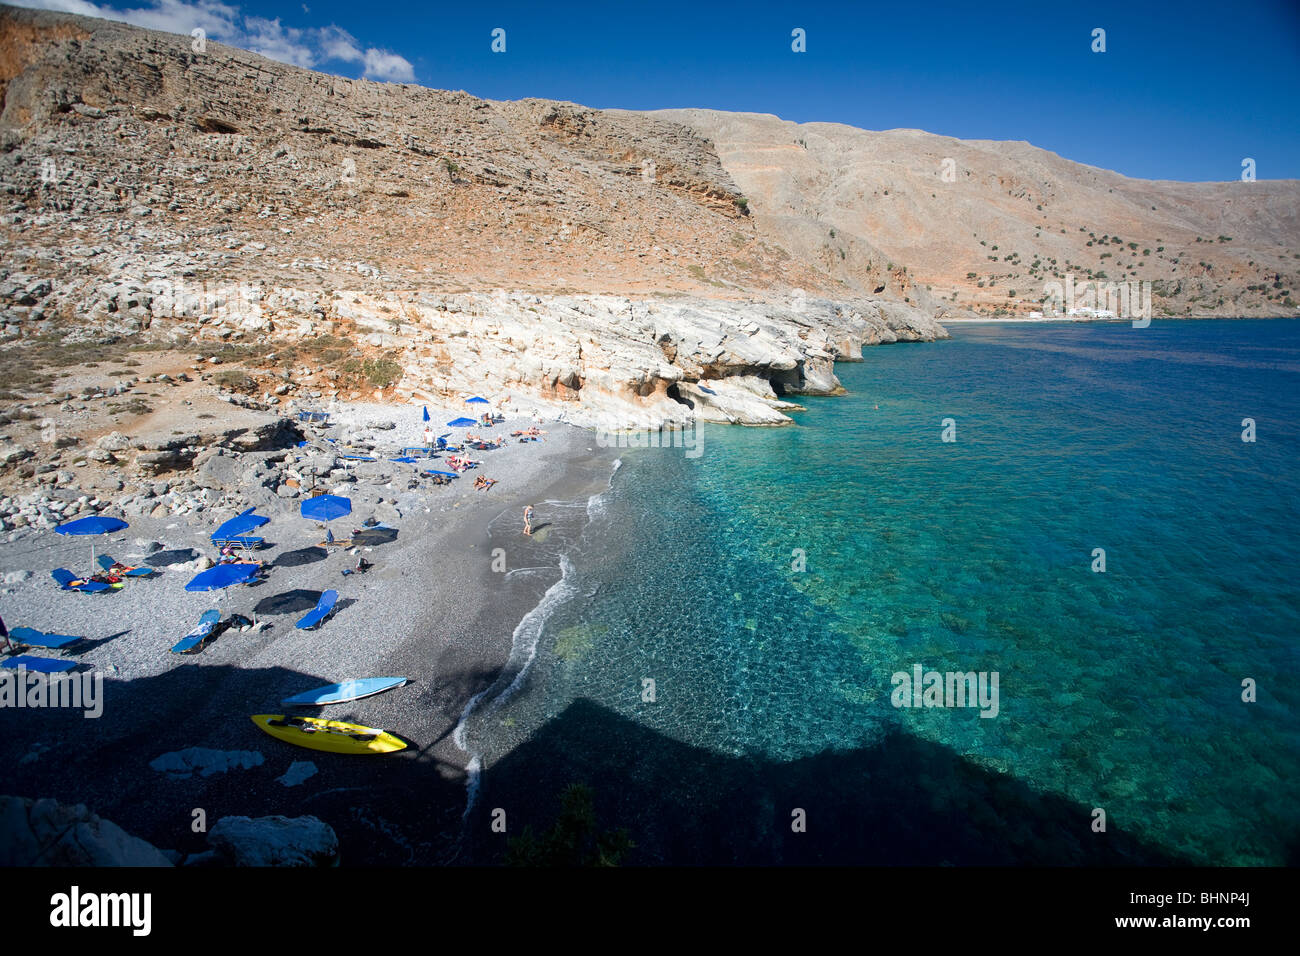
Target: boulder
(48, 833)
(274, 841)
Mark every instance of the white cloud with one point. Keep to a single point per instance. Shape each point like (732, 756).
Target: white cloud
(306, 47)
(277, 42)
(382, 65)
(337, 44)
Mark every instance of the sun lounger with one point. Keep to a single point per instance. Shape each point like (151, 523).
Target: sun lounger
(34, 638)
(323, 609)
(41, 665)
(108, 565)
(70, 582)
(194, 639)
(246, 541)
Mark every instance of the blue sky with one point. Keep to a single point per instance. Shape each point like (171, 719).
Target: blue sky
(1183, 91)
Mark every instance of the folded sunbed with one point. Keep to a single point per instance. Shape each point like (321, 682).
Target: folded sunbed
(323, 609)
(192, 641)
(246, 541)
(107, 563)
(34, 638)
(70, 582)
(42, 665)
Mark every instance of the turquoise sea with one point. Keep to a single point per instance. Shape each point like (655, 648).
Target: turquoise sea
(771, 587)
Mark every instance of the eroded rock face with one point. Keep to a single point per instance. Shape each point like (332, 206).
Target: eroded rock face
(615, 362)
(48, 833)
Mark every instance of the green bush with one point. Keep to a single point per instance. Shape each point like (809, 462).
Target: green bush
(381, 373)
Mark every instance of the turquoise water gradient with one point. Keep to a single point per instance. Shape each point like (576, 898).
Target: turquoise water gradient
(1119, 690)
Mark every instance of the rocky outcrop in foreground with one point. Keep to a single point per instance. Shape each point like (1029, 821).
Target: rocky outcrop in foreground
(48, 833)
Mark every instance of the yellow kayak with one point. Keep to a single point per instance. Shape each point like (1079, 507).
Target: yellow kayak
(332, 735)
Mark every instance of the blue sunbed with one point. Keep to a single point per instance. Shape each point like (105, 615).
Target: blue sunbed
(65, 578)
(247, 541)
(194, 638)
(106, 564)
(323, 609)
(42, 665)
(35, 638)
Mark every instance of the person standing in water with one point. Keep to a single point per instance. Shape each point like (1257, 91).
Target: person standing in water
(528, 521)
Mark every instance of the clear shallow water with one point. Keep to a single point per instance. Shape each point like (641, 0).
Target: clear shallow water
(1119, 690)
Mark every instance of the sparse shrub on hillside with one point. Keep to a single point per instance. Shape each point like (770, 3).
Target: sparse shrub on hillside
(383, 372)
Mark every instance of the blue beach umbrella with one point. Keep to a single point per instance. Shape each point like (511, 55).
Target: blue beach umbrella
(222, 576)
(462, 423)
(326, 507)
(476, 400)
(242, 523)
(426, 413)
(94, 524)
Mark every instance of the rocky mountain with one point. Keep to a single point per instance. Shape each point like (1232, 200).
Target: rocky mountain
(335, 238)
(186, 196)
(984, 226)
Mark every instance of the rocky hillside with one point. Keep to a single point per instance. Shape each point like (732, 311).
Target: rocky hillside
(331, 238)
(224, 164)
(168, 196)
(984, 225)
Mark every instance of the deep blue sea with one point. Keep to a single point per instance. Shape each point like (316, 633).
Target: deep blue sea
(771, 587)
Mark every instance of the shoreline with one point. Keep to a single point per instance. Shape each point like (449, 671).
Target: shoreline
(452, 638)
